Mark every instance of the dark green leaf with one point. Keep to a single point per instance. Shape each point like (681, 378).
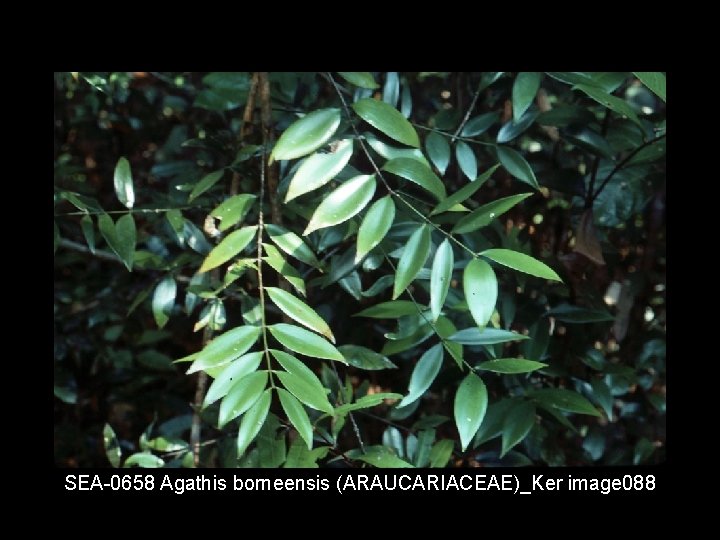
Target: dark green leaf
(391, 90)
(517, 165)
(471, 402)
(513, 128)
(485, 214)
(363, 79)
(389, 310)
(111, 445)
(163, 300)
(306, 134)
(388, 120)
(578, 315)
(565, 400)
(124, 183)
(520, 261)
(425, 439)
(525, 88)
(412, 260)
(375, 225)
(481, 289)
(297, 415)
(364, 358)
(565, 115)
(440, 277)
(589, 140)
(441, 453)
(343, 203)
(298, 310)
(304, 342)
(417, 172)
(491, 426)
(380, 457)
(230, 246)
(207, 181)
(603, 396)
(86, 223)
(616, 104)
(424, 374)
(242, 395)
(56, 236)
(465, 192)
(511, 365)
(438, 150)
(466, 159)
(252, 422)
(654, 80)
(479, 124)
(292, 244)
(517, 424)
(319, 169)
(120, 236)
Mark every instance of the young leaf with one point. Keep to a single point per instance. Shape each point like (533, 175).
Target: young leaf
(654, 80)
(440, 277)
(163, 300)
(525, 88)
(438, 149)
(423, 374)
(297, 415)
(230, 246)
(565, 400)
(306, 134)
(481, 289)
(225, 348)
(412, 260)
(511, 365)
(299, 311)
(471, 402)
(241, 396)
(280, 265)
(231, 374)
(466, 159)
(389, 310)
(364, 358)
(309, 394)
(487, 336)
(86, 223)
(517, 165)
(516, 425)
(292, 244)
(375, 225)
(363, 79)
(124, 183)
(521, 262)
(304, 342)
(233, 210)
(485, 214)
(465, 192)
(388, 120)
(319, 169)
(343, 203)
(252, 422)
(419, 173)
(207, 181)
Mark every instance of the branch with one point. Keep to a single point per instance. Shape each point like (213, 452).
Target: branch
(469, 111)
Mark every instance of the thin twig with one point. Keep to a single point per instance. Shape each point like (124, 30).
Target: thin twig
(261, 287)
(200, 384)
(596, 164)
(469, 111)
(448, 135)
(133, 211)
(350, 414)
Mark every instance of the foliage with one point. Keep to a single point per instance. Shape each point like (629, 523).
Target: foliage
(359, 269)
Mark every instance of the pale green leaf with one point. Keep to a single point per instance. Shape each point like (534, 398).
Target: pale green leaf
(343, 203)
(232, 210)
(124, 183)
(365, 402)
(111, 445)
(517, 165)
(466, 159)
(252, 422)
(363, 79)
(389, 310)
(146, 460)
(297, 415)
(298, 368)
(241, 396)
(479, 124)
(163, 300)
(486, 336)
(471, 402)
(207, 181)
(481, 290)
(388, 120)
(417, 172)
(364, 358)
(525, 88)
(440, 277)
(521, 262)
(441, 453)
(412, 260)
(309, 394)
(230, 374)
(298, 310)
(381, 457)
(375, 225)
(319, 169)
(306, 134)
(228, 248)
(391, 152)
(438, 148)
(465, 192)
(280, 265)
(304, 342)
(424, 374)
(225, 348)
(485, 214)
(511, 365)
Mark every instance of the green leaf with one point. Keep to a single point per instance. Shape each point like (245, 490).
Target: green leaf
(298, 310)
(292, 244)
(319, 169)
(391, 90)
(603, 396)
(514, 128)
(306, 134)
(589, 140)
(253, 421)
(280, 265)
(424, 374)
(241, 396)
(86, 223)
(207, 181)
(389, 310)
(375, 225)
(387, 119)
(485, 214)
(479, 124)
(363, 79)
(438, 149)
(304, 342)
(481, 290)
(297, 415)
(225, 348)
(391, 152)
(56, 236)
(613, 103)
(487, 336)
(308, 393)
(412, 260)
(364, 358)
(445, 328)
(566, 115)
(516, 425)
(230, 246)
(465, 192)
(654, 80)
(121, 236)
(145, 460)
(163, 300)
(365, 402)
(517, 165)
(124, 183)
(230, 375)
(111, 445)
(298, 456)
(343, 203)
(232, 210)
(299, 369)
(441, 453)
(525, 88)
(440, 277)
(511, 365)
(417, 172)
(521, 262)
(425, 439)
(466, 159)
(471, 402)
(578, 315)
(565, 400)
(379, 456)
(491, 426)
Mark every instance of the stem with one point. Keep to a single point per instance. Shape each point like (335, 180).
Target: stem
(261, 288)
(201, 383)
(350, 414)
(588, 196)
(469, 111)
